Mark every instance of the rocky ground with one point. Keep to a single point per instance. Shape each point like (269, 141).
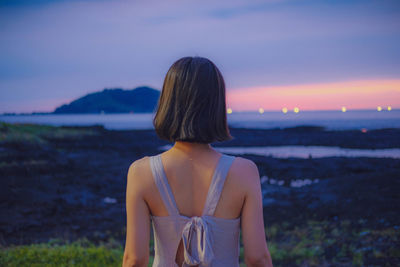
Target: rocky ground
(73, 185)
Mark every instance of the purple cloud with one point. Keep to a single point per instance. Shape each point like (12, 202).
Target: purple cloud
(60, 50)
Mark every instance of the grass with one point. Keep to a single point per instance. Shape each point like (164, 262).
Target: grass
(313, 244)
(38, 134)
(334, 242)
(56, 253)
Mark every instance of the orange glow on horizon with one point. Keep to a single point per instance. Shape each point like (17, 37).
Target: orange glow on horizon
(364, 94)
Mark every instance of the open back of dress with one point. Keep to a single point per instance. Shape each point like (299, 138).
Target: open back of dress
(207, 240)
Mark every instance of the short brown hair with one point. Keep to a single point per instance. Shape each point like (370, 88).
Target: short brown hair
(192, 104)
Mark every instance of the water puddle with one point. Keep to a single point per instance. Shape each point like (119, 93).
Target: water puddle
(311, 151)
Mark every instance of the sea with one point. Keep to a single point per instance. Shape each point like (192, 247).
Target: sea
(330, 119)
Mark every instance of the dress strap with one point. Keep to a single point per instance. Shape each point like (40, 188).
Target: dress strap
(161, 181)
(217, 183)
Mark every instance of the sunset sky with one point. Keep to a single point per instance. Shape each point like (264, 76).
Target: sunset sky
(273, 54)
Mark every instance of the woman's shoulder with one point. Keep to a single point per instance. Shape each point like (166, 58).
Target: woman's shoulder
(244, 166)
(139, 164)
(243, 162)
(244, 171)
(138, 171)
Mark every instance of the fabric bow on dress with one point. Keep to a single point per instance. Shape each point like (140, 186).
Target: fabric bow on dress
(197, 243)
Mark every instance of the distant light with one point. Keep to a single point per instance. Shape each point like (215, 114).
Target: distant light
(229, 110)
(344, 109)
(363, 130)
(379, 108)
(296, 110)
(284, 110)
(389, 108)
(261, 110)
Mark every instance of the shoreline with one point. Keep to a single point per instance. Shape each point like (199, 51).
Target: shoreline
(367, 119)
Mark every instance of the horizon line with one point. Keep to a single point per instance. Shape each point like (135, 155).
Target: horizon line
(289, 111)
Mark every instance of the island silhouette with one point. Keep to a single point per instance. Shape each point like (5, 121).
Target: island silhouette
(139, 100)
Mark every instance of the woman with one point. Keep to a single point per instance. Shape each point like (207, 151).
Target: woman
(196, 198)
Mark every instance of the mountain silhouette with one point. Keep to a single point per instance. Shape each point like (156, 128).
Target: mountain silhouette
(139, 100)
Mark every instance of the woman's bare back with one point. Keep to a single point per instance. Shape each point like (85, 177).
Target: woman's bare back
(189, 180)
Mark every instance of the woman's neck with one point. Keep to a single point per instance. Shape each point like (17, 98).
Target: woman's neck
(193, 149)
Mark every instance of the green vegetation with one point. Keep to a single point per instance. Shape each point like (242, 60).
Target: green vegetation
(338, 243)
(57, 253)
(312, 244)
(38, 134)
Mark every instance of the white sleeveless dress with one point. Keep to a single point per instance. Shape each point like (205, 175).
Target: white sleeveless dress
(207, 240)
